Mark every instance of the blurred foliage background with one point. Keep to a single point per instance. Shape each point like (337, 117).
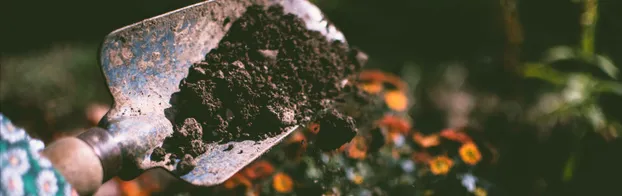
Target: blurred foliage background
(539, 78)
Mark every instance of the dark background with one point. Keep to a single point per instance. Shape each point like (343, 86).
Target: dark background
(392, 32)
(393, 29)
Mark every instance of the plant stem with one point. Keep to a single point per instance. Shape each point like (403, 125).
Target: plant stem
(513, 32)
(588, 23)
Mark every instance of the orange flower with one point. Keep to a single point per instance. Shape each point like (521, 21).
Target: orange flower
(150, 183)
(372, 87)
(395, 81)
(314, 128)
(237, 180)
(357, 149)
(455, 135)
(296, 145)
(470, 154)
(258, 169)
(372, 76)
(396, 100)
(282, 183)
(395, 124)
(296, 137)
(426, 141)
(421, 157)
(380, 76)
(131, 188)
(343, 148)
(440, 165)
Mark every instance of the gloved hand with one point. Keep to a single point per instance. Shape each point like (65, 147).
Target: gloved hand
(23, 170)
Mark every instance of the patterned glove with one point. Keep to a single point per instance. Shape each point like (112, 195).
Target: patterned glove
(23, 170)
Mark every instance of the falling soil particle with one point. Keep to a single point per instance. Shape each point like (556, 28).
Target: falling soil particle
(336, 129)
(230, 147)
(186, 139)
(268, 73)
(158, 154)
(186, 164)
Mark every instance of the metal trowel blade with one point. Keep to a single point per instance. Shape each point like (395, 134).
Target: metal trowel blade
(144, 63)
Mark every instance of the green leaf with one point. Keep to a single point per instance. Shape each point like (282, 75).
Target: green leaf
(569, 168)
(609, 86)
(543, 72)
(558, 53)
(607, 66)
(595, 116)
(615, 129)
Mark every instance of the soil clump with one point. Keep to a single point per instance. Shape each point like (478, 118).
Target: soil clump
(268, 73)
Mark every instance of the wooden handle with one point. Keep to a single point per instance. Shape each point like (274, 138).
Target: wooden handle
(86, 161)
(78, 163)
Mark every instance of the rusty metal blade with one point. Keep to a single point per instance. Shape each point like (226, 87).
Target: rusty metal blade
(143, 65)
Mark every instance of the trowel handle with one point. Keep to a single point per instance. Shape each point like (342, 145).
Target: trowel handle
(86, 161)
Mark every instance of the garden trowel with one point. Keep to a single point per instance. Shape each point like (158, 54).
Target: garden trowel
(143, 64)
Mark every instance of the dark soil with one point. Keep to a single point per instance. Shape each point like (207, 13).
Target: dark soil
(186, 164)
(268, 73)
(336, 129)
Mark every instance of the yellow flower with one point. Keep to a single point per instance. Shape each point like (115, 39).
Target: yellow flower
(440, 165)
(470, 154)
(396, 100)
(282, 183)
(480, 192)
(358, 179)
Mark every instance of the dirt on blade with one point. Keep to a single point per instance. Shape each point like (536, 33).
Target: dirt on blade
(267, 74)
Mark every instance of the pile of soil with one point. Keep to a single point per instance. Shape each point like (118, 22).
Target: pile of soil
(268, 73)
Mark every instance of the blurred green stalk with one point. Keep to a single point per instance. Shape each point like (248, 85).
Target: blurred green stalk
(588, 23)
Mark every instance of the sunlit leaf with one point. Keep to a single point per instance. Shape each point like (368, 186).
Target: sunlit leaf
(613, 131)
(558, 53)
(577, 88)
(595, 116)
(607, 66)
